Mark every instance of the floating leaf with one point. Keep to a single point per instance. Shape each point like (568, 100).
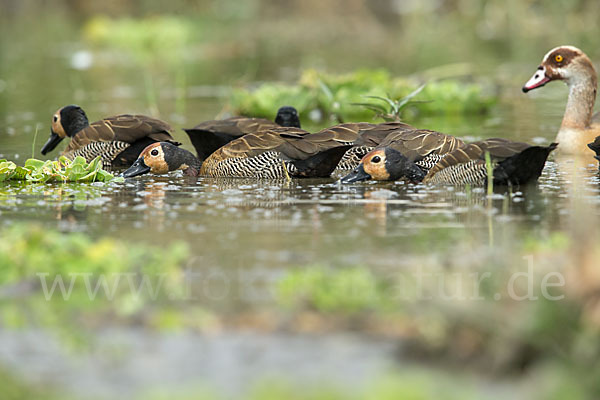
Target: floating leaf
(61, 170)
(34, 163)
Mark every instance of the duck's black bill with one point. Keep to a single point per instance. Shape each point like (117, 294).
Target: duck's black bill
(51, 143)
(138, 168)
(357, 175)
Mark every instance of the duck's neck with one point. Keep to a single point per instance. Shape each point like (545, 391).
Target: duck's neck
(192, 171)
(582, 96)
(181, 159)
(190, 164)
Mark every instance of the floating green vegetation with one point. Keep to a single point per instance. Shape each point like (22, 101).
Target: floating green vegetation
(61, 170)
(343, 97)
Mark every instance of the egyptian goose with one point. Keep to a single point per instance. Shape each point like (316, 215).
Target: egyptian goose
(571, 65)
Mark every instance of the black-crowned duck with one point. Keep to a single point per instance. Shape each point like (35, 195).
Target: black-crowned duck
(513, 163)
(208, 136)
(421, 147)
(117, 140)
(572, 66)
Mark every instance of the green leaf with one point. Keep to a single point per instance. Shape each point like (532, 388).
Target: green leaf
(34, 163)
(402, 102)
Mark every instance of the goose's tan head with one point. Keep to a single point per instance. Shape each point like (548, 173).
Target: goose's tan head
(566, 63)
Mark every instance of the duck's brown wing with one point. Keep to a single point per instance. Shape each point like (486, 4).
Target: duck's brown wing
(499, 149)
(235, 126)
(209, 136)
(122, 128)
(345, 133)
(253, 144)
(420, 143)
(348, 134)
(373, 135)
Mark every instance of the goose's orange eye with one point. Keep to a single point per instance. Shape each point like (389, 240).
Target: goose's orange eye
(558, 58)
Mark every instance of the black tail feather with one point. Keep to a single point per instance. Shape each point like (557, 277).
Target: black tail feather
(206, 142)
(322, 164)
(523, 167)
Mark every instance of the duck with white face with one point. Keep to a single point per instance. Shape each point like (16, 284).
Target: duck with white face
(572, 66)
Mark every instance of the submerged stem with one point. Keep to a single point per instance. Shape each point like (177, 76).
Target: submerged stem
(37, 128)
(490, 173)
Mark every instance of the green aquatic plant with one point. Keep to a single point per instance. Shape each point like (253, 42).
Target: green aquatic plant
(61, 170)
(391, 109)
(335, 97)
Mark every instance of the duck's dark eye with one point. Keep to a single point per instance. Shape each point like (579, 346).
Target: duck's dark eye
(154, 153)
(375, 159)
(55, 119)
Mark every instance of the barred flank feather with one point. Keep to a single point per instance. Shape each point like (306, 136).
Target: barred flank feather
(512, 163)
(429, 161)
(267, 165)
(470, 173)
(352, 158)
(108, 151)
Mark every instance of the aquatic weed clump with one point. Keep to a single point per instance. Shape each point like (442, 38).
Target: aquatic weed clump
(61, 170)
(348, 97)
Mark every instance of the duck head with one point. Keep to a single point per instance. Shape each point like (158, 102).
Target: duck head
(287, 116)
(565, 63)
(385, 164)
(161, 158)
(67, 121)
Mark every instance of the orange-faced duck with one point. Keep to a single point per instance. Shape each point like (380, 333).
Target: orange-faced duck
(163, 157)
(420, 149)
(572, 66)
(513, 163)
(118, 140)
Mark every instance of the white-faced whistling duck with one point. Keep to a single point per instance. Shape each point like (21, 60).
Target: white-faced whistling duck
(117, 140)
(513, 163)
